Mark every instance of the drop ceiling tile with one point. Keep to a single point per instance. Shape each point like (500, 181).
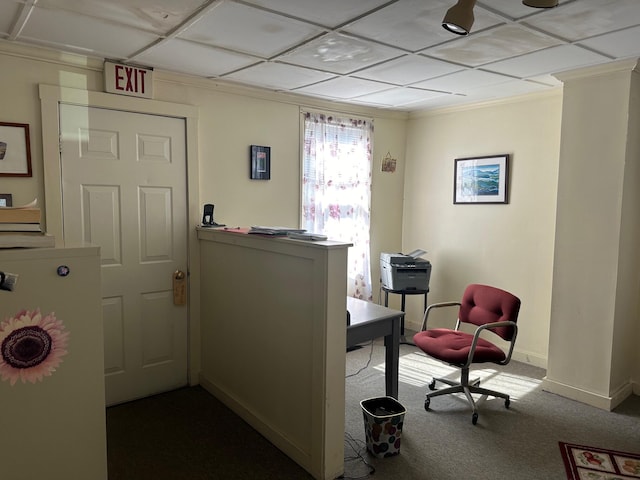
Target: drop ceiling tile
(513, 9)
(508, 41)
(587, 18)
(71, 31)
(413, 24)
(249, 30)
(278, 76)
(506, 89)
(8, 12)
(495, 44)
(330, 13)
(399, 96)
(552, 60)
(439, 102)
(179, 55)
(158, 16)
(343, 88)
(406, 70)
(339, 54)
(620, 44)
(509, 88)
(463, 82)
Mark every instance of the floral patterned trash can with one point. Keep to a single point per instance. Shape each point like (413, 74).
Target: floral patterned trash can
(383, 420)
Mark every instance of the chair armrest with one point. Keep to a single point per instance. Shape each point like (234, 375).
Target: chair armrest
(434, 306)
(488, 326)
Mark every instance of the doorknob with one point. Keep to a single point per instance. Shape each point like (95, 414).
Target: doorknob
(179, 288)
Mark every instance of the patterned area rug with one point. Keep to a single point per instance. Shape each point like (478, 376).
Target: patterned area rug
(588, 463)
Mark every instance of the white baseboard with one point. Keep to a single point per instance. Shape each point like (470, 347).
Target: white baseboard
(590, 398)
(530, 358)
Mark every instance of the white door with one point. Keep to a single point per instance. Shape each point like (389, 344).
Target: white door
(124, 189)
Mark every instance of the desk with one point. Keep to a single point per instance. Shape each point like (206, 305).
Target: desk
(370, 321)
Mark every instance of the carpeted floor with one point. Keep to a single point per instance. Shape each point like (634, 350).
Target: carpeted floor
(519, 443)
(188, 434)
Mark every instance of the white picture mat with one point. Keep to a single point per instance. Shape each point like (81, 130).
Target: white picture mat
(463, 164)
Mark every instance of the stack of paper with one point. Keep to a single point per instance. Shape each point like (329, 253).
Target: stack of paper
(20, 227)
(307, 236)
(275, 230)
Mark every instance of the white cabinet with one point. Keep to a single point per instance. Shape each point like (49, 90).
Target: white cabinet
(53, 428)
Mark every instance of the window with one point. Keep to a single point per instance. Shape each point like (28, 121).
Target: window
(336, 189)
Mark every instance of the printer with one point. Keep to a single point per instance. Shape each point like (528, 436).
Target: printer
(405, 272)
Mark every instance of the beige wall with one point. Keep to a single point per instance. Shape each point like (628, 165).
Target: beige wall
(20, 104)
(508, 246)
(511, 246)
(230, 121)
(597, 265)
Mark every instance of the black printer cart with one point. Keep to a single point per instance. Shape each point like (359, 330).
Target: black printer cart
(411, 291)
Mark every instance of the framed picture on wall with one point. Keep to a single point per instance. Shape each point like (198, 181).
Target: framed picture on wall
(260, 162)
(15, 150)
(481, 179)
(6, 200)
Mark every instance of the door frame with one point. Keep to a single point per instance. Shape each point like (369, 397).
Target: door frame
(50, 98)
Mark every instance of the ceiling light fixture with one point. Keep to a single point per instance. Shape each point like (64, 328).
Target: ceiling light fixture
(459, 18)
(540, 3)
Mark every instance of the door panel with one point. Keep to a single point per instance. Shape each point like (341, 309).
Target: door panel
(124, 188)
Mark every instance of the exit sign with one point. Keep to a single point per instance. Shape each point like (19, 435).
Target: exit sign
(128, 80)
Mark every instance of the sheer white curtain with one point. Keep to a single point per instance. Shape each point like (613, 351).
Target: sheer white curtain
(336, 189)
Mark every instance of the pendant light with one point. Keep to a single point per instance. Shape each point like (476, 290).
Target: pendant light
(459, 18)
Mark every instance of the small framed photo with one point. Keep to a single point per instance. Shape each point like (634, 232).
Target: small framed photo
(481, 179)
(6, 200)
(15, 150)
(260, 162)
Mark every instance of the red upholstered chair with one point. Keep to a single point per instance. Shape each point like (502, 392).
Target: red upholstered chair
(483, 309)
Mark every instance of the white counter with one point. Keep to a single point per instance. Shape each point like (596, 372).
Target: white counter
(273, 323)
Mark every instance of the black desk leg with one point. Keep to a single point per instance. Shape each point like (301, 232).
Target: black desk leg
(402, 302)
(392, 359)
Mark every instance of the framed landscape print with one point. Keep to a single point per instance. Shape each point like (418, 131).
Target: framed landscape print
(481, 179)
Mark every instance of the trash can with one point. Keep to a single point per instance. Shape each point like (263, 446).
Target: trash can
(383, 420)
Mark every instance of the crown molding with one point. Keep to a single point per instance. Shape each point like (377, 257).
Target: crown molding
(627, 65)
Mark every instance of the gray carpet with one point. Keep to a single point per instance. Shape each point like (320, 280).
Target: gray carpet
(519, 443)
(188, 434)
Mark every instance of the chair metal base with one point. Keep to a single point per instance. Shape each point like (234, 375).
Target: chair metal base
(466, 387)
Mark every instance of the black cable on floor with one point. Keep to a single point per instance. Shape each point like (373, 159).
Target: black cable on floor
(358, 447)
(365, 367)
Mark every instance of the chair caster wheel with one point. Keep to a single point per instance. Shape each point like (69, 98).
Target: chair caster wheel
(432, 385)
(474, 418)
(427, 402)
(507, 402)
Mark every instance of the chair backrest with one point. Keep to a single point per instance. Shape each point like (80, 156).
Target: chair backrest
(482, 304)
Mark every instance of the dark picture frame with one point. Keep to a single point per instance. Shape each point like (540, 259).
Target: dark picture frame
(15, 150)
(260, 158)
(6, 200)
(481, 179)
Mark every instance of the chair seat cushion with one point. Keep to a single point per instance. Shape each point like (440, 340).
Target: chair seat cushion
(453, 347)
